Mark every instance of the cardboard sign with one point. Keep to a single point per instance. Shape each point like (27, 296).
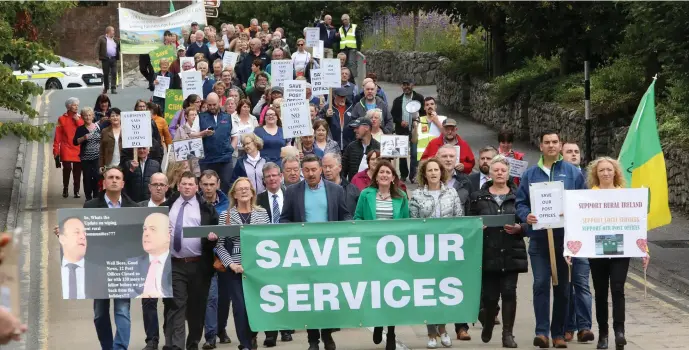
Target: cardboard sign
(295, 90)
(546, 204)
(296, 119)
(192, 83)
(517, 167)
(318, 50)
(156, 55)
(281, 71)
(312, 36)
(394, 146)
(229, 59)
(136, 129)
(173, 103)
(318, 87)
(188, 149)
(332, 74)
(162, 86)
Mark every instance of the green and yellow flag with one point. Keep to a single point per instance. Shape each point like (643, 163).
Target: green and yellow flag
(642, 161)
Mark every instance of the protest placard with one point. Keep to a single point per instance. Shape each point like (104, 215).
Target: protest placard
(281, 71)
(229, 59)
(295, 90)
(92, 269)
(187, 149)
(136, 129)
(9, 271)
(318, 50)
(156, 55)
(606, 223)
(343, 274)
(173, 103)
(546, 204)
(318, 87)
(296, 119)
(162, 86)
(394, 146)
(313, 34)
(192, 83)
(332, 76)
(517, 167)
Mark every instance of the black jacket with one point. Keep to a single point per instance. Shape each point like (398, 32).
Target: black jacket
(99, 202)
(136, 185)
(397, 110)
(463, 187)
(352, 155)
(351, 195)
(156, 148)
(266, 203)
(502, 252)
(193, 49)
(208, 217)
(243, 70)
(328, 40)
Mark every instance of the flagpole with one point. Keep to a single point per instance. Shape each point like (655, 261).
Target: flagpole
(119, 6)
(587, 111)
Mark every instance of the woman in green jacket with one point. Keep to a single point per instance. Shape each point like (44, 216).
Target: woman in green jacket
(383, 200)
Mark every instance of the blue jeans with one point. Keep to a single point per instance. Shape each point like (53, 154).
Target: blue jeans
(580, 300)
(211, 329)
(101, 319)
(540, 265)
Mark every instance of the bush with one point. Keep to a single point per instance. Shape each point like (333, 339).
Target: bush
(507, 87)
(465, 59)
(396, 33)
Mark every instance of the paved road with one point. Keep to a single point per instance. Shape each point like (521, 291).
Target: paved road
(659, 321)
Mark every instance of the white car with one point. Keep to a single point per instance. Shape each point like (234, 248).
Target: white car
(55, 76)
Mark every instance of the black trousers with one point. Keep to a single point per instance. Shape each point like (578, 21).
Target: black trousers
(495, 285)
(109, 73)
(146, 68)
(89, 169)
(609, 273)
(241, 318)
(190, 284)
(71, 169)
(149, 306)
(314, 335)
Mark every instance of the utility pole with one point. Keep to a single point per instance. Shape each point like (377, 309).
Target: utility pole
(587, 111)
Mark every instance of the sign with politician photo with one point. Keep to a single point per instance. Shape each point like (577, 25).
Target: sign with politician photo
(115, 253)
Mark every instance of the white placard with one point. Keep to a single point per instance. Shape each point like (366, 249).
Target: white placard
(332, 75)
(187, 149)
(296, 119)
(394, 146)
(546, 204)
(312, 36)
(281, 71)
(318, 50)
(606, 223)
(229, 59)
(186, 64)
(136, 129)
(458, 150)
(162, 86)
(517, 167)
(192, 83)
(318, 87)
(295, 90)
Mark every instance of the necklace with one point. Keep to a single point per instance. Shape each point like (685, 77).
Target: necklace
(383, 197)
(246, 218)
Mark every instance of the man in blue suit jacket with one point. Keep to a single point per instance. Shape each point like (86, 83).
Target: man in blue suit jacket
(551, 167)
(199, 46)
(216, 130)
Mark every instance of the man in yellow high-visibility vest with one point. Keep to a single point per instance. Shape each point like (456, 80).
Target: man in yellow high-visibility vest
(349, 38)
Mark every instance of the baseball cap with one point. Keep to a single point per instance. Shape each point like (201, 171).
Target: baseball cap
(277, 89)
(181, 48)
(449, 122)
(342, 92)
(360, 122)
(408, 81)
(194, 23)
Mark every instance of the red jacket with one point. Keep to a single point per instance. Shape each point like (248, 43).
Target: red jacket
(466, 155)
(63, 144)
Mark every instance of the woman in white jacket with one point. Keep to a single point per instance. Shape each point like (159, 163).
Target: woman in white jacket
(434, 200)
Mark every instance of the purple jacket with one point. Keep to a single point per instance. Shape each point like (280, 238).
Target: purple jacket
(176, 121)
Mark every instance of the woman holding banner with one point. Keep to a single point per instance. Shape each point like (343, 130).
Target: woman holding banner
(605, 173)
(434, 200)
(504, 251)
(243, 211)
(383, 200)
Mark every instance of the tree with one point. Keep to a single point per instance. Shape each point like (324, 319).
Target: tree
(21, 24)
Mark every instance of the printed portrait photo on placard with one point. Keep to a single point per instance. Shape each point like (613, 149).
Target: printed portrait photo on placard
(188, 149)
(115, 253)
(394, 146)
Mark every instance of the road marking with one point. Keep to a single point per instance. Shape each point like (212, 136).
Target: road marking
(44, 330)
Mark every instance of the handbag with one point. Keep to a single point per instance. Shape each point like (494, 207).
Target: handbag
(217, 265)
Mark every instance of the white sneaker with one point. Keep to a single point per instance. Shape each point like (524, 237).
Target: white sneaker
(445, 340)
(432, 343)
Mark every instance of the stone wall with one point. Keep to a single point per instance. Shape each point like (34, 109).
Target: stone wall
(79, 28)
(527, 118)
(394, 67)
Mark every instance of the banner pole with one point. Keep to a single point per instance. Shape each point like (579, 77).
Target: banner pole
(553, 264)
(119, 5)
(330, 98)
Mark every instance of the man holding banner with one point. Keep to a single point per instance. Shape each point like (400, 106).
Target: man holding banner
(550, 168)
(315, 200)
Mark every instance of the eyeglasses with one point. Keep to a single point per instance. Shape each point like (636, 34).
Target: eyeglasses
(243, 189)
(300, 44)
(158, 185)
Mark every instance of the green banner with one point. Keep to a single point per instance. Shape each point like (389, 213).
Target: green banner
(156, 55)
(362, 273)
(173, 104)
